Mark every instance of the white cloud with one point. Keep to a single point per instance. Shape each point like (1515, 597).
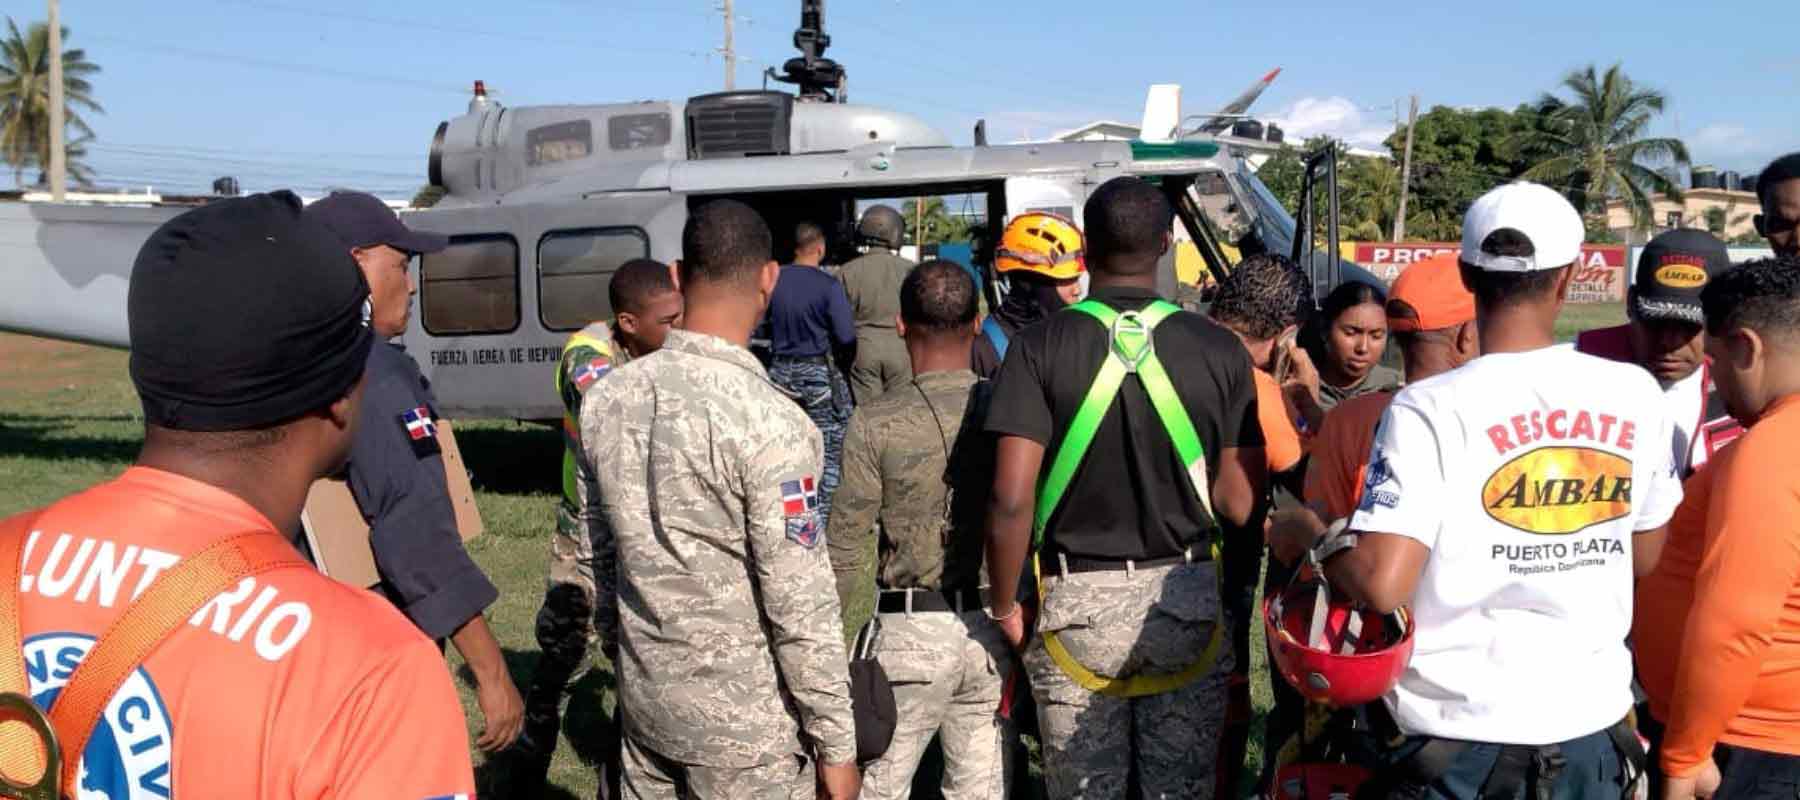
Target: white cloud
(1731, 146)
(1037, 126)
(1337, 117)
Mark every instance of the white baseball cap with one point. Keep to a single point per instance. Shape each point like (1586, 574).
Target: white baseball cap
(1536, 212)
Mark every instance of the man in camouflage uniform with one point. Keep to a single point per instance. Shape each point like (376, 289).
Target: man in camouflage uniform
(873, 284)
(917, 463)
(646, 305)
(731, 666)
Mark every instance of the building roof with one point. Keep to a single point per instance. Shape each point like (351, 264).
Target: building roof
(1123, 130)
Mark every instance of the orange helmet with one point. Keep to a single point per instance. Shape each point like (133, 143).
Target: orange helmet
(1040, 242)
(1332, 652)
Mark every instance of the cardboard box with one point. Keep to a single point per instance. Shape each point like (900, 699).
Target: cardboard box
(339, 538)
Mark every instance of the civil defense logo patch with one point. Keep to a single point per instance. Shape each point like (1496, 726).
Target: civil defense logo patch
(129, 754)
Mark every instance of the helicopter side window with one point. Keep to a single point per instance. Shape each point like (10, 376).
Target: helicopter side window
(575, 268)
(637, 131)
(563, 141)
(471, 287)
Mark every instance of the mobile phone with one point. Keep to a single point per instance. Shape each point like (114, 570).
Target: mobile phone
(1283, 364)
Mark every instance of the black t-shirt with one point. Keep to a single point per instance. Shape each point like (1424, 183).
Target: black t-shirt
(1130, 499)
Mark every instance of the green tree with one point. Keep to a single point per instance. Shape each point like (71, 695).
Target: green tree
(428, 196)
(940, 225)
(1458, 154)
(1283, 173)
(1593, 145)
(1368, 190)
(25, 102)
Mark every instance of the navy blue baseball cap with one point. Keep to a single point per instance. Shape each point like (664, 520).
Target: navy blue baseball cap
(1671, 271)
(362, 220)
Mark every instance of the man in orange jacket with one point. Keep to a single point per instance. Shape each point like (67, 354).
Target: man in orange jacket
(1718, 622)
(249, 331)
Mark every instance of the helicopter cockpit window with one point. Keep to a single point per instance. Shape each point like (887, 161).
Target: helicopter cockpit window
(1222, 209)
(471, 287)
(575, 268)
(563, 141)
(637, 131)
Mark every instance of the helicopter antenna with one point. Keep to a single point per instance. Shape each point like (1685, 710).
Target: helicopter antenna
(819, 79)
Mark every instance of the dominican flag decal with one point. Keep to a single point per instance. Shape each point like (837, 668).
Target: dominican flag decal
(421, 431)
(594, 370)
(800, 505)
(798, 496)
(419, 424)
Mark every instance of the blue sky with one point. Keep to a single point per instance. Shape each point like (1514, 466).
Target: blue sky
(317, 93)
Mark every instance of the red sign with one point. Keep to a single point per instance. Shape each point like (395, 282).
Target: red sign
(1599, 273)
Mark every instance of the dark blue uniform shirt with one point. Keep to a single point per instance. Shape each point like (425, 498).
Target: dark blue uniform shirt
(809, 314)
(397, 475)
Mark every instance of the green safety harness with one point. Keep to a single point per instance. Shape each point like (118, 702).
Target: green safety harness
(1132, 351)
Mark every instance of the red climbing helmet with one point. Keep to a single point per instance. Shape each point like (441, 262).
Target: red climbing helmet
(1331, 651)
(1318, 782)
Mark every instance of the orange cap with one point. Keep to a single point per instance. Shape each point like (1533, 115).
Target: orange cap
(1434, 290)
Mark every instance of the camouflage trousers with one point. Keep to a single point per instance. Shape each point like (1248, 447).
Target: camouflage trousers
(565, 630)
(821, 392)
(647, 775)
(947, 670)
(1126, 623)
(881, 363)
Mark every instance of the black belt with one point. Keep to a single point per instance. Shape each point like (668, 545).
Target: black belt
(1531, 768)
(1065, 564)
(907, 601)
(803, 359)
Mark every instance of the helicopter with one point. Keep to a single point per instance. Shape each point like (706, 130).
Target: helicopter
(543, 203)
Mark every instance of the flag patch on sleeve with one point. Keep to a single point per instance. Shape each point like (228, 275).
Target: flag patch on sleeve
(594, 370)
(800, 508)
(419, 424)
(798, 496)
(421, 431)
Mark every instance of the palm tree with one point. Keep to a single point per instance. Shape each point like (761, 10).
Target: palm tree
(940, 225)
(1593, 147)
(25, 101)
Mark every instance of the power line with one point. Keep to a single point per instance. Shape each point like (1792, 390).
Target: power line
(239, 162)
(182, 148)
(416, 25)
(281, 66)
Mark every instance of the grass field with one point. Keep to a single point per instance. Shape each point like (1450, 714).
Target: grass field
(69, 419)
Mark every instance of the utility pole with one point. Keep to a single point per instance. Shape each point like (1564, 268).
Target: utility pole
(919, 228)
(729, 50)
(1412, 119)
(57, 167)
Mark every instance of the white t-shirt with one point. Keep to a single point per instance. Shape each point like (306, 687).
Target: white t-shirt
(1527, 475)
(1686, 399)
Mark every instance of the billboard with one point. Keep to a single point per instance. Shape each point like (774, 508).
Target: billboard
(1599, 273)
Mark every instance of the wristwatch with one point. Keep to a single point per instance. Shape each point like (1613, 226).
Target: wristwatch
(1336, 540)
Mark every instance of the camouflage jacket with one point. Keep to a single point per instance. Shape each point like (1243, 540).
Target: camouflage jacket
(918, 468)
(723, 610)
(873, 284)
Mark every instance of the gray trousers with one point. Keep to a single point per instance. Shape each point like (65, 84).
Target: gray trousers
(947, 670)
(881, 363)
(1120, 624)
(649, 776)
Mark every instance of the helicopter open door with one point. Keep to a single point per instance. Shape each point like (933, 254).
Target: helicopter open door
(1325, 268)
